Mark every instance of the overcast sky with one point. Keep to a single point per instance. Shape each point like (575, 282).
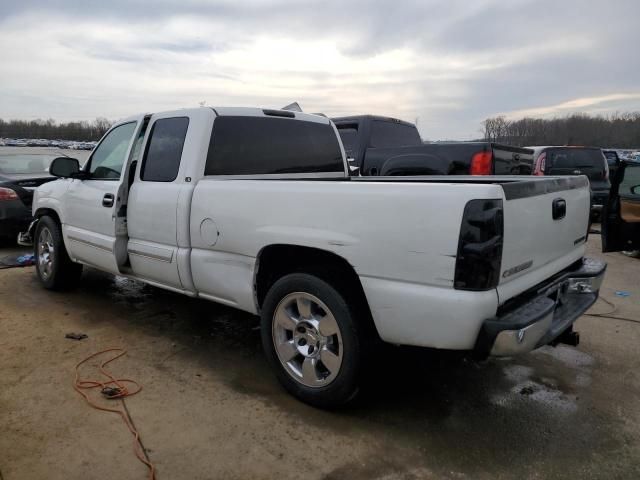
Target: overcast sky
(448, 64)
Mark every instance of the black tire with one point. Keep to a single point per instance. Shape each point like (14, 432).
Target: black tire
(344, 387)
(62, 273)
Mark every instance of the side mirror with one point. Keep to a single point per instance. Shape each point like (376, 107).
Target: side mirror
(65, 167)
(635, 190)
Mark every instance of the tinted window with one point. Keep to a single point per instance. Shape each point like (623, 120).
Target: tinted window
(392, 134)
(108, 157)
(630, 184)
(349, 136)
(611, 156)
(162, 158)
(262, 145)
(566, 161)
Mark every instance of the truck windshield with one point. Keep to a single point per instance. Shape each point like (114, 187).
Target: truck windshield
(393, 134)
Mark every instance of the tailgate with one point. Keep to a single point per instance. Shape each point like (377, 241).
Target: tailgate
(537, 245)
(510, 160)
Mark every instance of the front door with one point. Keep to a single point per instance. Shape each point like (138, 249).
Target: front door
(89, 226)
(621, 219)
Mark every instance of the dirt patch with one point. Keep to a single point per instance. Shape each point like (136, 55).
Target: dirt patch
(210, 407)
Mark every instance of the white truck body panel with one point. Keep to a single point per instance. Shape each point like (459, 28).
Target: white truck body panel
(531, 236)
(252, 214)
(203, 235)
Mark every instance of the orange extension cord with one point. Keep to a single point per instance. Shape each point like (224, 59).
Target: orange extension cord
(115, 388)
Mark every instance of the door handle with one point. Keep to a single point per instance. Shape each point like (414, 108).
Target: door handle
(559, 208)
(107, 200)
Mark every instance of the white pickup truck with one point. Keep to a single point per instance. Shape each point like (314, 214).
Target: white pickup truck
(256, 209)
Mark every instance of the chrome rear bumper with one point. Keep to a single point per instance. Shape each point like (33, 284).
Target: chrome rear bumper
(544, 315)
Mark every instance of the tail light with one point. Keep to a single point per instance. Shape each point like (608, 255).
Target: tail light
(540, 164)
(7, 194)
(482, 163)
(480, 246)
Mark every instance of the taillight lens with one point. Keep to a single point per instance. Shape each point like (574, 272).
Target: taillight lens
(482, 163)
(540, 164)
(7, 194)
(480, 246)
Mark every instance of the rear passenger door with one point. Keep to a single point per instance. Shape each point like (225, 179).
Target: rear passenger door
(621, 219)
(157, 200)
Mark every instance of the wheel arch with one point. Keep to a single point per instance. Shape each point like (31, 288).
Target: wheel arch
(277, 260)
(42, 211)
(53, 213)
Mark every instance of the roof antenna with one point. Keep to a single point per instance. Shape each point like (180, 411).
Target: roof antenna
(293, 107)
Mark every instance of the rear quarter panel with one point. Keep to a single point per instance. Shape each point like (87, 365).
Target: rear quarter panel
(400, 238)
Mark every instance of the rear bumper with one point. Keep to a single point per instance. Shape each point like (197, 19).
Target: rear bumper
(14, 217)
(542, 316)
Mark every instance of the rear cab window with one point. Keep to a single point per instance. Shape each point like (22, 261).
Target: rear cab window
(612, 157)
(161, 159)
(393, 134)
(349, 135)
(576, 161)
(244, 145)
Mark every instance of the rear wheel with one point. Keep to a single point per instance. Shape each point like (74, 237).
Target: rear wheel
(55, 269)
(312, 341)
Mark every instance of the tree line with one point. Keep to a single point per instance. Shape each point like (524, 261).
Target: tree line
(83, 131)
(620, 130)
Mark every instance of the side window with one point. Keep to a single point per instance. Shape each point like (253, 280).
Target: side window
(393, 134)
(262, 145)
(630, 184)
(164, 150)
(109, 156)
(349, 136)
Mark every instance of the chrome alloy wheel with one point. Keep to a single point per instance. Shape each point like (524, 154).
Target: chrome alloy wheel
(46, 252)
(307, 339)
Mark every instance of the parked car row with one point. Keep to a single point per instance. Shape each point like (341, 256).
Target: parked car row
(41, 142)
(628, 154)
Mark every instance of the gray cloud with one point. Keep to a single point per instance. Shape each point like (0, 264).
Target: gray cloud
(449, 63)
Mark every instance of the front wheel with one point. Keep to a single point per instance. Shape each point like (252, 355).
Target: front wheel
(312, 341)
(55, 269)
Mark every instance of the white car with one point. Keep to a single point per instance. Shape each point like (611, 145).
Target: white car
(255, 209)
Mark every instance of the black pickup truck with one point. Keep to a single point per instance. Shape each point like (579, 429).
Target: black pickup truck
(387, 146)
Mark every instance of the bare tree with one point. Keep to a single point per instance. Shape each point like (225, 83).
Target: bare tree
(51, 130)
(617, 130)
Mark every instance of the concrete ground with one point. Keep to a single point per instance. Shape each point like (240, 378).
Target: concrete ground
(210, 408)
